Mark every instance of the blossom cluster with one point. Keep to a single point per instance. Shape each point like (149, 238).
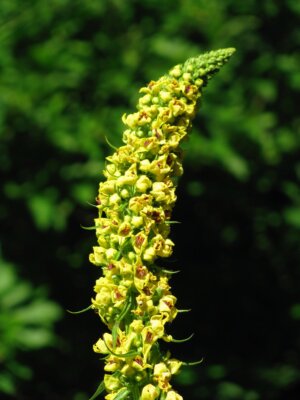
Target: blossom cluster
(133, 295)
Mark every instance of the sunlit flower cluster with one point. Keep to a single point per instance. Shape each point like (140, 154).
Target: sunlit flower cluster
(133, 296)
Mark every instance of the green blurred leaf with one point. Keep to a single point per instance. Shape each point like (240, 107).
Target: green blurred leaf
(295, 311)
(26, 323)
(280, 375)
(7, 385)
(230, 391)
(292, 216)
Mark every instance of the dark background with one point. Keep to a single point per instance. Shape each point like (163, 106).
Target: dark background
(69, 69)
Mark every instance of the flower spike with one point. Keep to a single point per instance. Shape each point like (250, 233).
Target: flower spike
(133, 296)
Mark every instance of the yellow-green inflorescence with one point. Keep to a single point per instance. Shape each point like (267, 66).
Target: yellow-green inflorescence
(133, 295)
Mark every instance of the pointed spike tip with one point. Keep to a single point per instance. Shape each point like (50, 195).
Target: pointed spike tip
(207, 64)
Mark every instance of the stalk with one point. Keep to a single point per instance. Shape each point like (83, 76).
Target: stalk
(133, 295)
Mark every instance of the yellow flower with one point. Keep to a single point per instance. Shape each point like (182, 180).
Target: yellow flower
(103, 297)
(101, 345)
(174, 365)
(171, 395)
(110, 254)
(138, 363)
(98, 256)
(127, 179)
(157, 325)
(113, 364)
(160, 192)
(149, 392)
(143, 183)
(158, 247)
(167, 303)
(124, 229)
(111, 383)
(137, 203)
(144, 304)
(114, 199)
(162, 376)
(137, 325)
(108, 187)
(140, 242)
(137, 221)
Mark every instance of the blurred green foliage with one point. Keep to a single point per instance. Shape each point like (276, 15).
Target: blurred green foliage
(68, 70)
(26, 324)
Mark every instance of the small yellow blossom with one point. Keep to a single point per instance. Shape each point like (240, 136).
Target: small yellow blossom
(149, 392)
(171, 395)
(111, 383)
(143, 183)
(162, 375)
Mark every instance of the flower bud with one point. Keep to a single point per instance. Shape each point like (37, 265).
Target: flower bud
(176, 71)
(165, 96)
(131, 255)
(145, 165)
(187, 76)
(111, 253)
(125, 194)
(111, 169)
(126, 180)
(114, 199)
(145, 99)
(149, 254)
(143, 183)
(137, 221)
(199, 82)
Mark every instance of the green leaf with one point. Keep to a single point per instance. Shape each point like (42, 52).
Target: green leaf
(122, 394)
(292, 216)
(34, 337)
(38, 312)
(81, 311)
(89, 228)
(134, 390)
(182, 340)
(99, 390)
(7, 384)
(230, 391)
(124, 355)
(193, 362)
(295, 311)
(114, 334)
(21, 292)
(110, 145)
(170, 272)
(126, 308)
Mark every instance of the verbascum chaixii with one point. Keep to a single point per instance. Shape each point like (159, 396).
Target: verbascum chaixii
(133, 295)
